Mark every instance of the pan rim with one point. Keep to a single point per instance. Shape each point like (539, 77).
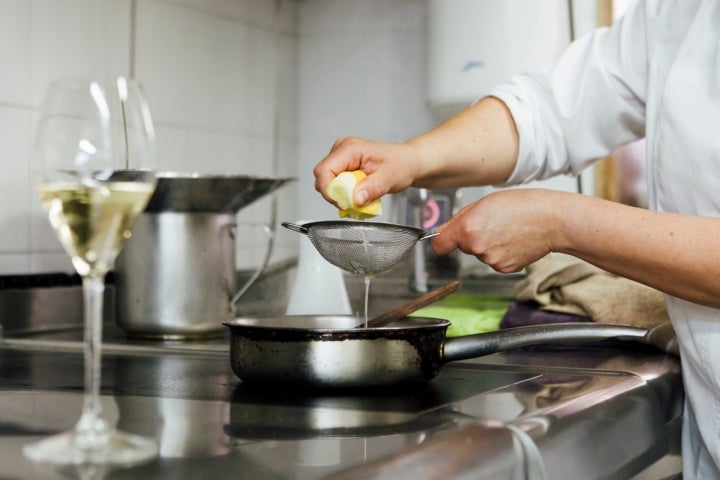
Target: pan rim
(275, 323)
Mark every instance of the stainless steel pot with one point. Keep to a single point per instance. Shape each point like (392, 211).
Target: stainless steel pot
(329, 351)
(176, 277)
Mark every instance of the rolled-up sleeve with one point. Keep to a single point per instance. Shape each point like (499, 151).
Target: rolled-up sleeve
(590, 103)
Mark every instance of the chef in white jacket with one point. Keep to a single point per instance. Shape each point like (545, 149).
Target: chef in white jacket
(655, 74)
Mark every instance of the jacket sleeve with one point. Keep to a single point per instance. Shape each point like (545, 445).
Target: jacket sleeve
(590, 103)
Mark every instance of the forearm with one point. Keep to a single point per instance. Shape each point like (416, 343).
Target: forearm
(476, 147)
(677, 254)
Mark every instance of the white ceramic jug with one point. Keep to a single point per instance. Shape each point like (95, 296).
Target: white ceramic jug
(319, 285)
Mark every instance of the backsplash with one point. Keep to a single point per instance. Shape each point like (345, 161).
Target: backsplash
(258, 87)
(209, 68)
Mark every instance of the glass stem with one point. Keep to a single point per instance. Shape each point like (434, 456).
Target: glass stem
(125, 132)
(90, 424)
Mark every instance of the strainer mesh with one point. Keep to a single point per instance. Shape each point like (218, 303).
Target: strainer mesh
(366, 249)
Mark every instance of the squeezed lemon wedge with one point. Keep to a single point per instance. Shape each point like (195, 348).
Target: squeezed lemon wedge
(341, 189)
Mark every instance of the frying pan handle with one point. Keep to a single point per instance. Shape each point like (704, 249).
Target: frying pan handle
(295, 227)
(471, 346)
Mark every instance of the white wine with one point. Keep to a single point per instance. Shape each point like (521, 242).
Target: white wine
(93, 221)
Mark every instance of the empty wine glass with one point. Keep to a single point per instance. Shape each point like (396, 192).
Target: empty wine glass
(94, 173)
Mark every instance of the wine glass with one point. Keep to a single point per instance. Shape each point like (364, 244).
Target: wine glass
(94, 173)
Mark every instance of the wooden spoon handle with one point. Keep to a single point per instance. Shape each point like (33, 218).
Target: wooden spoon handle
(416, 304)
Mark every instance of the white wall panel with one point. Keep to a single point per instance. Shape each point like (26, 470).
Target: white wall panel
(14, 197)
(15, 52)
(78, 38)
(362, 73)
(344, 67)
(192, 66)
(208, 67)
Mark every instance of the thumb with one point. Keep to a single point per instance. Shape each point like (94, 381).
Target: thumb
(369, 189)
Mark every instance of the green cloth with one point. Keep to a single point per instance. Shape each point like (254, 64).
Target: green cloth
(468, 314)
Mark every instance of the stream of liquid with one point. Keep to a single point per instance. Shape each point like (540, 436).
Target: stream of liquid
(367, 295)
(367, 277)
(364, 265)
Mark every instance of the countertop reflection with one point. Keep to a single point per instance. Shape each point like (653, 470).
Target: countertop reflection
(490, 417)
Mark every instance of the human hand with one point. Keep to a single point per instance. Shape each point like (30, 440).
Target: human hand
(507, 230)
(390, 167)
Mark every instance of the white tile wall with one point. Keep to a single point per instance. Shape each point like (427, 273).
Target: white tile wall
(209, 67)
(15, 58)
(362, 73)
(338, 18)
(77, 38)
(225, 79)
(220, 75)
(15, 231)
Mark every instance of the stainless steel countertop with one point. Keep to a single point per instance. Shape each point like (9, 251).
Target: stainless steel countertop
(585, 411)
(582, 413)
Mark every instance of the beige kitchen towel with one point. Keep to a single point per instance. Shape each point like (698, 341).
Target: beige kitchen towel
(563, 283)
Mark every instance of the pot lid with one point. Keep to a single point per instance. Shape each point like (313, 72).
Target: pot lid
(195, 192)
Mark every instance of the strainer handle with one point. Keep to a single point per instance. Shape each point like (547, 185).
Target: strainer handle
(295, 227)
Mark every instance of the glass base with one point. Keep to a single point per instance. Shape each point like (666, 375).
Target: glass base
(122, 449)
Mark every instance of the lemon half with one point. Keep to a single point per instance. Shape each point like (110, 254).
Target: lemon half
(341, 189)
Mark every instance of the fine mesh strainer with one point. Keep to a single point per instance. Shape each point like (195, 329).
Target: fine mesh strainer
(366, 248)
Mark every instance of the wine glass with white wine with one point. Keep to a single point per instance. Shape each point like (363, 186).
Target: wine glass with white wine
(94, 174)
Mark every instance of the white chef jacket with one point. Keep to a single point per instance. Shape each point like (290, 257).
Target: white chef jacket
(655, 74)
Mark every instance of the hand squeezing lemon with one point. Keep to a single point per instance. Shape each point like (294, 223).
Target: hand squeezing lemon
(341, 189)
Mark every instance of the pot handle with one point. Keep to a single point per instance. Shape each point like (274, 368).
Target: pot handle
(471, 346)
(270, 232)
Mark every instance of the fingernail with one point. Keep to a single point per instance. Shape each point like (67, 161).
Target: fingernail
(361, 198)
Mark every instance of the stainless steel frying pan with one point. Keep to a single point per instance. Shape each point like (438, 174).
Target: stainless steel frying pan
(330, 351)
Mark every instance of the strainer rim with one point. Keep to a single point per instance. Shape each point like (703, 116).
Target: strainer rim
(363, 223)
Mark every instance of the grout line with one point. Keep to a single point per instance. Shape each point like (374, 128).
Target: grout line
(133, 38)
